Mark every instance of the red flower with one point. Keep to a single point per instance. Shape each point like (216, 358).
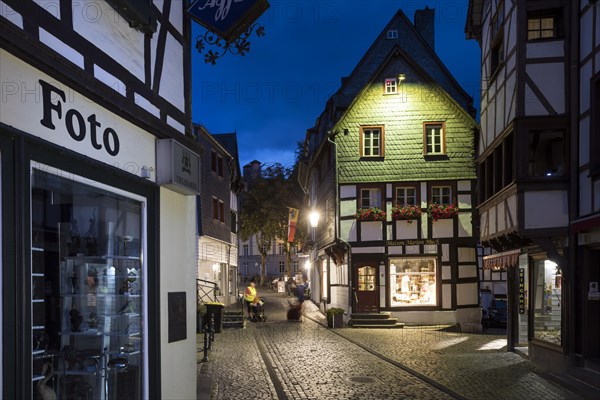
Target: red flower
(441, 211)
(407, 212)
(370, 214)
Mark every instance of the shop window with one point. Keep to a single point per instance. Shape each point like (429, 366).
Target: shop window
(324, 279)
(434, 138)
(413, 282)
(87, 281)
(371, 141)
(546, 153)
(595, 126)
(547, 302)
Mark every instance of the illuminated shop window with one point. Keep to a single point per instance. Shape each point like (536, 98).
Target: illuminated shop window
(547, 283)
(413, 281)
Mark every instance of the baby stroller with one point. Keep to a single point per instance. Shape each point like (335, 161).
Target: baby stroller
(257, 311)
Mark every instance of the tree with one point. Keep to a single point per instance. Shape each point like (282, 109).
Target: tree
(265, 207)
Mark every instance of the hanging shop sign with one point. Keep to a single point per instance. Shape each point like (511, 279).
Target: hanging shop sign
(227, 18)
(177, 167)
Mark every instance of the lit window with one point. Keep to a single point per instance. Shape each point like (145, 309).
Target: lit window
(370, 198)
(371, 142)
(544, 25)
(441, 194)
(391, 86)
(547, 300)
(413, 281)
(406, 196)
(435, 140)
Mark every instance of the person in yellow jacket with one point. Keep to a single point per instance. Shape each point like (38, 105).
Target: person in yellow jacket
(250, 296)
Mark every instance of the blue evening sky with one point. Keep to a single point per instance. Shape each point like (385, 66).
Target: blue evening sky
(271, 96)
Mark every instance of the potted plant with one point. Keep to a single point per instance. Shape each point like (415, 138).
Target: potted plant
(335, 317)
(407, 212)
(441, 211)
(370, 214)
(200, 313)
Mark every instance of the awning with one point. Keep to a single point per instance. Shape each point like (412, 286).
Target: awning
(501, 260)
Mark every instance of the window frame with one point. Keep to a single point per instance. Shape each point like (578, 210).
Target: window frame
(441, 196)
(426, 127)
(381, 147)
(539, 15)
(390, 86)
(218, 209)
(371, 205)
(405, 196)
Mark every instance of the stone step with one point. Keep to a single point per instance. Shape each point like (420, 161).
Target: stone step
(372, 321)
(377, 316)
(397, 325)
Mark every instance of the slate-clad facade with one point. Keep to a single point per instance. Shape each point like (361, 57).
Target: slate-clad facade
(98, 176)
(399, 132)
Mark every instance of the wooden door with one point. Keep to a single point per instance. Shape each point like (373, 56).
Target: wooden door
(366, 287)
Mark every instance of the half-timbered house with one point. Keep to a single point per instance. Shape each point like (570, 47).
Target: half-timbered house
(538, 173)
(98, 181)
(391, 171)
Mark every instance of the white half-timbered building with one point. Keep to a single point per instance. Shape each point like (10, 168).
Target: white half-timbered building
(98, 179)
(538, 162)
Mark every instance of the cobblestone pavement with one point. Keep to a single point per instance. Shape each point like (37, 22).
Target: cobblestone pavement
(279, 359)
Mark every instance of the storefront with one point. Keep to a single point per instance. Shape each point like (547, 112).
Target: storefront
(85, 308)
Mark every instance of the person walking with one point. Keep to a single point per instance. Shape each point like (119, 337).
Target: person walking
(250, 296)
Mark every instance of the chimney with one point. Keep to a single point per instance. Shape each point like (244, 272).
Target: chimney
(424, 23)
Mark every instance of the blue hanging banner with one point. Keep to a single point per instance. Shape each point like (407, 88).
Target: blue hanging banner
(227, 18)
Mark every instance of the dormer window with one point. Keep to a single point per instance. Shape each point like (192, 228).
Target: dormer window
(391, 86)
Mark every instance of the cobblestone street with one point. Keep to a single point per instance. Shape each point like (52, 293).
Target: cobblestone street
(280, 359)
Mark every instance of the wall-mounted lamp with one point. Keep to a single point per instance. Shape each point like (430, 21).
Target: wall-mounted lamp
(314, 219)
(401, 77)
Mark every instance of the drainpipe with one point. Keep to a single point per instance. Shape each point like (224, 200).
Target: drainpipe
(331, 135)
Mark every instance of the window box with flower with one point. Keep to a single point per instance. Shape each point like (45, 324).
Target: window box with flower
(406, 213)
(370, 214)
(441, 211)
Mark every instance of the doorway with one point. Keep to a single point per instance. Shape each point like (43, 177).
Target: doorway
(366, 287)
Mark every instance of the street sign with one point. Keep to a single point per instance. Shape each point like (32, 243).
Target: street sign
(227, 18)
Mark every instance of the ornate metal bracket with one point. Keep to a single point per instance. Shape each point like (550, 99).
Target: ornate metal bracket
(240, 45)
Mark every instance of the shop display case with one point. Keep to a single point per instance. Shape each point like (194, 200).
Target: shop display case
(412, 282)
(101, 317)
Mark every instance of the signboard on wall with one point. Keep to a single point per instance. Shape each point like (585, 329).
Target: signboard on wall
(177, 167)
(521, 291)
(227, 18)
(177, 316)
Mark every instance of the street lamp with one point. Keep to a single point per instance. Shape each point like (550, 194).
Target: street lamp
(314, 219)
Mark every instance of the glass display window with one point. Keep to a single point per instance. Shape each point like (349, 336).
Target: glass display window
(547, 283)
(413, 281)
(87, 288)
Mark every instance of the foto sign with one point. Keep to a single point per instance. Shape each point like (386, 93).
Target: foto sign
(227, 18)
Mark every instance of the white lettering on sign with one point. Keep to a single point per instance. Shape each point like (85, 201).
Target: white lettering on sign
(222, 6)
(75, 122)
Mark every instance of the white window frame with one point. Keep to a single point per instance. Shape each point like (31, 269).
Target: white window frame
(403, 197)
(370, 197)
(390, 86)
(392, 34)
(368, 135)
(441, 195)
(434, 138)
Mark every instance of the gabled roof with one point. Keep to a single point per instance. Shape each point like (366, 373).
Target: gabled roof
(414, 46)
